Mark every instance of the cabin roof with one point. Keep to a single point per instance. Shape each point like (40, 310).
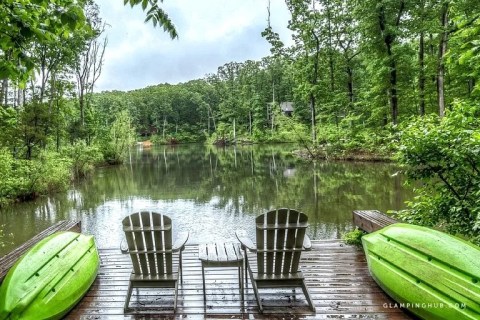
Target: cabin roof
(286, 106)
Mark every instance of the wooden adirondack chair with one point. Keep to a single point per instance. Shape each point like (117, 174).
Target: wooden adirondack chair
(149, 240)
(280, 240)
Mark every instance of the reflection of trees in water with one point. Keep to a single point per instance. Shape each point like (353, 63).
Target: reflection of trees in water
(251, 179)
(24, 220)
(242, 180)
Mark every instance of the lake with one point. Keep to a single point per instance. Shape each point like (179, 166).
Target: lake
(212, 192)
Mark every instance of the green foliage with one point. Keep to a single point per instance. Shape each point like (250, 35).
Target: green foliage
(155, 14)
(7, 179)
(25, 179)
(444, 155)
(83, 158)
(51, 172)
(119, 139)
(28, 21)
(354, 237)
(347, 140)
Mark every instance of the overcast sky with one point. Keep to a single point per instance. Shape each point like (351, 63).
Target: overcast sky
(211, 33)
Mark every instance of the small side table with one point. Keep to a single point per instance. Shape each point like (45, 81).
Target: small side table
(221, 255)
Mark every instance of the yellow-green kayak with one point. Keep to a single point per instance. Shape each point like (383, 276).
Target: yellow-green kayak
(51, 278)
(430, 273)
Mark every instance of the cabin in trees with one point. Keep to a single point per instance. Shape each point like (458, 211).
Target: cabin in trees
(287, 108)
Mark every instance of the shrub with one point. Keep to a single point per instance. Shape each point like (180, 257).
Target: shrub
(83, 158)
(444, 155)
(7, 180)
(25, 179)
(354, 237)
(121, 136)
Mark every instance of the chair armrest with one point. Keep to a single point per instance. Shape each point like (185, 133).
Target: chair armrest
(124, 246)
(180, 242)
(246, 242)
(307, 244)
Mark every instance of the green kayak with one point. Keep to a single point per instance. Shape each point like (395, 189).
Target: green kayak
(48, 280)
(430, 273)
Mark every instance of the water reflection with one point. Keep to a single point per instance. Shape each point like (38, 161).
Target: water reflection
(212, 192)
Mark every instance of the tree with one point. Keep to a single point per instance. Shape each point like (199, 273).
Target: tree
(26, 22)
(382, 23)
(88, 66)
(155, 14)
(444, 154)
(304, 24)
(119, 138)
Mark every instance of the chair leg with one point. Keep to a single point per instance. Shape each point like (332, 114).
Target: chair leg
(307, 296)
(255, 291)
(180, 267)
(246, 269)
(240, 280)
(127, 299)
(176, 296)
(203, 282)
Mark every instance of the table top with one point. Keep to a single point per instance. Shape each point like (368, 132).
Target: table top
(220, 252)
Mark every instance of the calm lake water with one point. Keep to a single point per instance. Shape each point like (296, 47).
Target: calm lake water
(212, 192)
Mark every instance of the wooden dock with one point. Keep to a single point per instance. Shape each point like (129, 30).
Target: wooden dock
(336, 274)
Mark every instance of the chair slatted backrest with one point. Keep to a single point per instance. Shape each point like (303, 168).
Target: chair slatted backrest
(149, 240)
(279, 237)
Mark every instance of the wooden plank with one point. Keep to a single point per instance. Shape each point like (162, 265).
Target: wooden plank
(275, 226)
(231, 252)
(221, 251)
(149, 247)
(371, 220)
(336, 274)
(271, 218)
(139, 245)
(159, 243)
(212, 252)
(8, 260)
(168, 241)
(280, 244)
(238, 251)
(202, 253)
(260, 243)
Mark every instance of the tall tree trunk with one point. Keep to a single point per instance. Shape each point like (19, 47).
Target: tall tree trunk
(164, 127)
(20, 97)
(57, 124)
(393, 82)
(250, 121)
(330, 48)
(388, 39)
(421, 77)
(442, 49)
(314, 81)
(393, 91)
(208, 121)
(81, 105)
(471, 85)
(4, 92)
(234, 132)
(314, 116)
(350, 86)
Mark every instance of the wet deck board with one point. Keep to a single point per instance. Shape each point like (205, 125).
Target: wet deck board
(336, 274)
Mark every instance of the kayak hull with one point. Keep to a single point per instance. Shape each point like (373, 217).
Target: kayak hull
(51, 278)
(430, 273)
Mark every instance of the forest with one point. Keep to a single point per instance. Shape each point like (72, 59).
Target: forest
(389, 79)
